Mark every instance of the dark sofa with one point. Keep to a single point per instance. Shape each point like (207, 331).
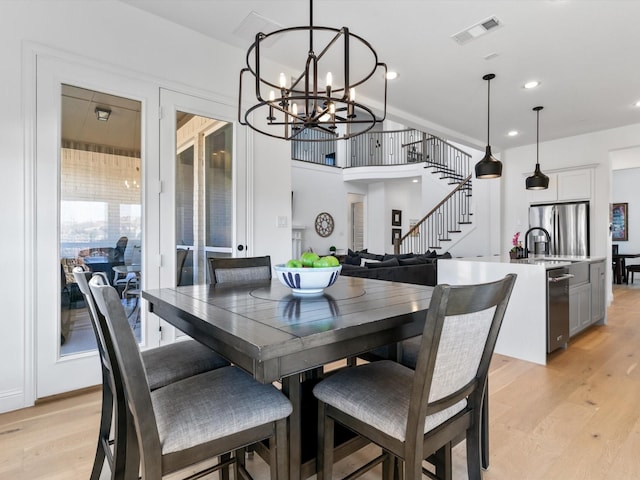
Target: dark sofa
(406, 268)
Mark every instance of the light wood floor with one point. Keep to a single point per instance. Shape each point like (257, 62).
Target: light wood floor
(576, 418)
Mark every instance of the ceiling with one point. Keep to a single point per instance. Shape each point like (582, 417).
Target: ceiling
(584, 53)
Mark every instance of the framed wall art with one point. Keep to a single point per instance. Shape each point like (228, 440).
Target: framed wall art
(620, 222)
(396, 218)
(396, 233)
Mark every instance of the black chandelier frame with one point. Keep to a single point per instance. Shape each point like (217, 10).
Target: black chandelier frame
(323, 110)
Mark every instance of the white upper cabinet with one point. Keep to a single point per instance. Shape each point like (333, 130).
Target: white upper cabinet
(564, 186)
(574, 185)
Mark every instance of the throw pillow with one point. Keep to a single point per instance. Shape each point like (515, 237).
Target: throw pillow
(400, 256)
(365, 261)
(393, 262)
(411, 261)
(371, 256)
(352, 260)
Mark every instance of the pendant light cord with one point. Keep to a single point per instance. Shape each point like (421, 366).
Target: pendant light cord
(537, 137)
(311, 25)
(488, 108)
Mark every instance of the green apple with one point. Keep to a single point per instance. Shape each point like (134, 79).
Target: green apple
(322, 262)
(333, 261)
(307, 259)
(293, 263)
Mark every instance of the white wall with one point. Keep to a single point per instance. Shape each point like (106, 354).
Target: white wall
(148, 48)
(316, 189)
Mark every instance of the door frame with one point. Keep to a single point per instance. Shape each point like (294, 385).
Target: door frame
(53, 374)
(173, 100)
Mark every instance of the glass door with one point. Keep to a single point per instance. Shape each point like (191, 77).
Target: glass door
(90, 210)
(204, 188)
(100, 206)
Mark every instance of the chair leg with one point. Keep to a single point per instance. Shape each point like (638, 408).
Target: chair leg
(282, 451)
(444, 464)
(128, 454)
(224, 472)
(325, 444)
(389, 471)
(474, 467)
(104, 431)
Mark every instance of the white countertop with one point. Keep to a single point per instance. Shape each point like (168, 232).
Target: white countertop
(547, 261)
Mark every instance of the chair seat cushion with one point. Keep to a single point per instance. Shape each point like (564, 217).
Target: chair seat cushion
(213, 405)
(170, 363)
(378, 394)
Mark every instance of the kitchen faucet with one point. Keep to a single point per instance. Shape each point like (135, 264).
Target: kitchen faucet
(526, 241)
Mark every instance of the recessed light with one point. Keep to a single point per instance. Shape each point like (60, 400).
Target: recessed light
(513, 133)
(415, 180)
(638, 103)
(392, 75)
(531, 84)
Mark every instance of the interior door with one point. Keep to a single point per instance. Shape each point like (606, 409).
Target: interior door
(65, 218)
(203, 200)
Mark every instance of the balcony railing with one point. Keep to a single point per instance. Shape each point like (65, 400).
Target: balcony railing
(402, 147)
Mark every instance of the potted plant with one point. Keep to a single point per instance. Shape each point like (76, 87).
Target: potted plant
(515, 251)
(332, 250)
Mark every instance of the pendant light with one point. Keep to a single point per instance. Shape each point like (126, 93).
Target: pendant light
(537, 181)
(489, 166)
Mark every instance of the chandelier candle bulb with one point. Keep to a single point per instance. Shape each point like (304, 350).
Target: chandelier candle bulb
(352, 101)
(283, 81)
(272, 97)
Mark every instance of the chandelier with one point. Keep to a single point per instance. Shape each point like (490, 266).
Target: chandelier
(295, 105)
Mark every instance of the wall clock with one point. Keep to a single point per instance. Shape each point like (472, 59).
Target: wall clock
(324, 224)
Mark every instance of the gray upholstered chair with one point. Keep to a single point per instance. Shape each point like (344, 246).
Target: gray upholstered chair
(192, 420)
(163, 365)
(249, 269)
(413, 414)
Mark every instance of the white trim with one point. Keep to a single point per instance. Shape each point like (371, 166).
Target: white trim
(29, 76)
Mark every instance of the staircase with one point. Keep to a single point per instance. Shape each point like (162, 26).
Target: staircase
(438, 227)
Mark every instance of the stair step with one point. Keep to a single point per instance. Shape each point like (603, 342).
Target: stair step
(466, 223)
(435, 248)
(445, 239)
(455, 231)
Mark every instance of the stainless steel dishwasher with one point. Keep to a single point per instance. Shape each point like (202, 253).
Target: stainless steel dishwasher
(557, 308)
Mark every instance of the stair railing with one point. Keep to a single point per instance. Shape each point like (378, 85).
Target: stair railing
(437, 225)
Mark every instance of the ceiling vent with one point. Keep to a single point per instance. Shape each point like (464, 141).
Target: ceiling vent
(477, 30)
(254, 22)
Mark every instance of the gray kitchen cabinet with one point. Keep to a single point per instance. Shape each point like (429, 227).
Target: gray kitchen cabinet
(598, 279)
(579, 308)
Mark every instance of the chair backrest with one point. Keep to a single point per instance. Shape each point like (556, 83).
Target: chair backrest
(82, 278)
(458, 340)
(131, 382)
(181, 256)
(249, 269)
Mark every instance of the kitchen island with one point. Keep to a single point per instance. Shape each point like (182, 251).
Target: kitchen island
(524, 330)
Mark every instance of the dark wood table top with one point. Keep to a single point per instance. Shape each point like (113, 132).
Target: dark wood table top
(271, 333)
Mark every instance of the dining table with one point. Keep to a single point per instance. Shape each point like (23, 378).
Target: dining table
(276, 335)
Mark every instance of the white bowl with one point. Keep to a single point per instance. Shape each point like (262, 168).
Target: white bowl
(307, 281)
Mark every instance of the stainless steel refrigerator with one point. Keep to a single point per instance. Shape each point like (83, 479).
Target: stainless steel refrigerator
(567, 224)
